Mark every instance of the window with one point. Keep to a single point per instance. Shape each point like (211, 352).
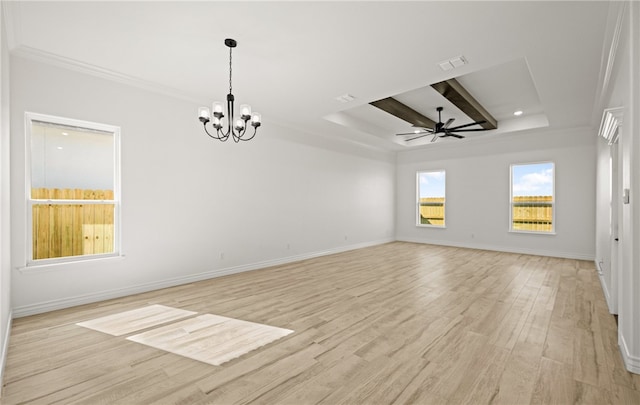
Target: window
(532, 197)
(72, 189)
(431, 196)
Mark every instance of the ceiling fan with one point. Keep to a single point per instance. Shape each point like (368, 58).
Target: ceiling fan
(443, 130)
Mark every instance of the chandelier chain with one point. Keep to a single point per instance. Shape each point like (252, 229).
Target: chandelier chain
(230, 71)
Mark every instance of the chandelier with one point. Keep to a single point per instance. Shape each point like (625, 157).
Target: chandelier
(236, 127)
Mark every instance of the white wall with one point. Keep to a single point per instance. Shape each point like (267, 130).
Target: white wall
(629, 312)
(615, 95)
(187, 199)
(5, 220)
(623, 90)
(477, 200)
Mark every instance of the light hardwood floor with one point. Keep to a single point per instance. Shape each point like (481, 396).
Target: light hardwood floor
(397, 323)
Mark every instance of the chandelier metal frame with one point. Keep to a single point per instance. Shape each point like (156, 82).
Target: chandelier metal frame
(236, 127)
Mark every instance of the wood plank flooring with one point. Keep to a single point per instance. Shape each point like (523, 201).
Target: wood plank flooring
(399, 323)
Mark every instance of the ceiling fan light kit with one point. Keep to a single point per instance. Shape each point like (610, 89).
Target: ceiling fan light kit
(236, 126)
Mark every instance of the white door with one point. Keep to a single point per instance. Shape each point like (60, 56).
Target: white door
(613, 229)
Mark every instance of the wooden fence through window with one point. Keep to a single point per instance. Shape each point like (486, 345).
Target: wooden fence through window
(530, 213)
(61, 229)
(432, 211)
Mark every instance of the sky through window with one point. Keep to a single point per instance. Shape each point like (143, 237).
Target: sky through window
(532, 179)
(432, 184)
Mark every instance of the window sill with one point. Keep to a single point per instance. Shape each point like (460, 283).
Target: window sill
(533, 232)
(431, 226)
(60, 265)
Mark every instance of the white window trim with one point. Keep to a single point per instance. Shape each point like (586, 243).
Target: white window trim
(553, 203)
(418, 224)
(29, 202)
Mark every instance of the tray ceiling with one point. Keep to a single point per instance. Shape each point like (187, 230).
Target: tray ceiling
(294, 58)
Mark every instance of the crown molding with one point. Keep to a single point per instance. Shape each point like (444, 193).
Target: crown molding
(565, 137)
(614, 46)
(51, 59)
(609, 61)
(41, 56)
(10, 18)
(11, 11)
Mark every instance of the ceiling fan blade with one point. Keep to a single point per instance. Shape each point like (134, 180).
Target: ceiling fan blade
(417, 137)
(417, 133)
(449, 122)
(414, 133)
(469, 130)
(467, 125)
(423, 128)
(441, 130)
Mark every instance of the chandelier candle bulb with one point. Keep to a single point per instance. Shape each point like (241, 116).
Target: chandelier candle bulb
(216, 123)
(256, 119)
(239, 124)
(217, 109)
(245, 111)
(203, 113)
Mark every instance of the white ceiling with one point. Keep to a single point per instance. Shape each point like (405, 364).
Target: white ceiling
(294, 58)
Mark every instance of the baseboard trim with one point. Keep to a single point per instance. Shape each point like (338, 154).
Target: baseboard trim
(631, 362)
(62, 303)
(524, 251)
(607, 295)
(5, 351)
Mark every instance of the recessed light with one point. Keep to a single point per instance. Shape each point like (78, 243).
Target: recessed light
(59, 147)
(416, 131)
(65, 134)
(517, 113)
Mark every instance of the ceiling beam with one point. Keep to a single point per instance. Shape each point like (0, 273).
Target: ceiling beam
(394, 107)
(453, 91)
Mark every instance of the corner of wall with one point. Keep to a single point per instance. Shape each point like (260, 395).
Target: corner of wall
(631, 362)
(5, 349)
(6, 314)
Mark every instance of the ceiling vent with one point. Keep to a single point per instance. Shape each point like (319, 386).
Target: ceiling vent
(345, 98)
(452, 63)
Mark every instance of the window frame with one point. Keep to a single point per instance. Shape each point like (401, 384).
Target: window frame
(553, 200)
(30, 117)
(444, 204)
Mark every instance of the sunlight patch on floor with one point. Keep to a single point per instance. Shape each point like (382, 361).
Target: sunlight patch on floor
(136, 320)
(208, 338)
